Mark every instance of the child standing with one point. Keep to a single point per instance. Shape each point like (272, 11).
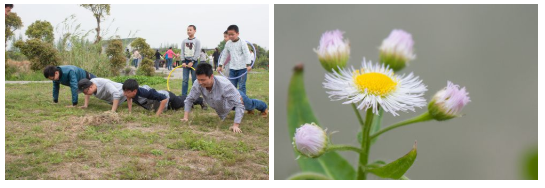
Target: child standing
(191, 48)
(240, 62)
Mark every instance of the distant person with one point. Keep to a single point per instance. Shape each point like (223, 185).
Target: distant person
(68, 75)
(228, 57)
(215, 56)
(8, 8)
(191, 49)
(240, 63)
(157, 59)
(169, 55)
(222, 96)
(135, 56)
(203, 57)
(128, 56)
(149, 98)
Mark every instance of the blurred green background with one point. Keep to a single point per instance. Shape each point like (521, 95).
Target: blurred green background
(492, 50)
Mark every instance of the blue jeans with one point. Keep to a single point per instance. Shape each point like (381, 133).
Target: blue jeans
(169, 63)
(240, 81)
(251, 104)
(135, 62)
(186, 76)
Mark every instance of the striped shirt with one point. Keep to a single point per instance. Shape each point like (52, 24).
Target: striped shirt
(222, 97)
(239, 53)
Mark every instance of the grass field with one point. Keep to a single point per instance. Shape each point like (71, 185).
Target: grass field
(49, 141)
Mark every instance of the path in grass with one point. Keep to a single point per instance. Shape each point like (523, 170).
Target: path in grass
(49, 141)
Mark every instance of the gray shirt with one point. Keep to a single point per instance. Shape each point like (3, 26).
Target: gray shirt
(108, 90)
(191, 49)
(222, 98)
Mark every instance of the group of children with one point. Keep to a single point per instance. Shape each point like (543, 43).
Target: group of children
(218, 92)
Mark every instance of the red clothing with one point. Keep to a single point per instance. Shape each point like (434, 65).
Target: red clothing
(170, 53)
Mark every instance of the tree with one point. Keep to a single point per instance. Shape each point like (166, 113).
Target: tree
(146, 68)
(39, 53)
(13, 22)
(42, 30)
(99, 12)
(117, 58)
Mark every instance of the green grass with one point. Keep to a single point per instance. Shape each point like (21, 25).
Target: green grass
(49, 141)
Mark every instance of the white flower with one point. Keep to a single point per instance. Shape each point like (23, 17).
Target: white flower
(310, 140)
(448, 102)
(397, 50)
(376, 85)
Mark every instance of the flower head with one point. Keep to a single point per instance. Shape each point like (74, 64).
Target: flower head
(310, 140)
(333, 51)
(376, 85)
(448, 102)
(397, 50)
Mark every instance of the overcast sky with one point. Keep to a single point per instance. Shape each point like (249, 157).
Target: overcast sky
(160, 23)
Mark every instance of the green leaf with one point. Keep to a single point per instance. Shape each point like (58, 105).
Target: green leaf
(397, 168)
(375, 127)
(299, 113)
(308, 176)
(530, 164)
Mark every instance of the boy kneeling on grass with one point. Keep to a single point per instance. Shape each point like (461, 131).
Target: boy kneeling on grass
(67, 75)
(148, 98)
(103, 89)
(222, 96)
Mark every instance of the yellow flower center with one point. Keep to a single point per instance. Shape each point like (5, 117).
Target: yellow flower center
(375, 83)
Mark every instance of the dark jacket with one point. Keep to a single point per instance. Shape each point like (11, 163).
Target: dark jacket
(69, 75)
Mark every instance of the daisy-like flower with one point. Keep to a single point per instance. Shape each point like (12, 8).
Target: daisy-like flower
(376, 85)
(397, 50)
(310, 140)
(448, 102)
(333, 51)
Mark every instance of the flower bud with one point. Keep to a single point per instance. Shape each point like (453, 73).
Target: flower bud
(448, 102)
(310, 140)
(333, 51)
(397, 50)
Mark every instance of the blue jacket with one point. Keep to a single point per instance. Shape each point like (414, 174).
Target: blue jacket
(69, 75)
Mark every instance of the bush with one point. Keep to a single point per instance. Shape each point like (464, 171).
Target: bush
(146, 67)
(117, 58)
(39, 53)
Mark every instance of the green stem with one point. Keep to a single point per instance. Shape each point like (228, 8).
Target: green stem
(343, 148)
(358, 114)
(309, 176)
(421, 118)
(365, 144)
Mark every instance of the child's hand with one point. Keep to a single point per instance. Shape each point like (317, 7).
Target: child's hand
(183, 65)
(248, 68)
(220, 69)
(190, 64)
(235, 129)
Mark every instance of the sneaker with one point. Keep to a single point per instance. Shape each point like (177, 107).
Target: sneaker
(250, 112)
(265, 113)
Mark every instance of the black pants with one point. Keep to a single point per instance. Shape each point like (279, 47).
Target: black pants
(177, 102)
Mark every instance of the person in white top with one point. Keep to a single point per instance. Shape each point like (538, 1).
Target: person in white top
(240, 62)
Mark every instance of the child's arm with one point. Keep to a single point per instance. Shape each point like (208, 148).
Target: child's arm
(56, 91)
(246, 53)
(74, 88)
(114, 105)
(129, 105)
(86, 103)
(161, 107)
(197, 54)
